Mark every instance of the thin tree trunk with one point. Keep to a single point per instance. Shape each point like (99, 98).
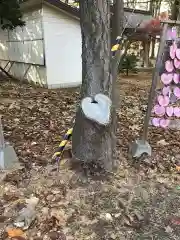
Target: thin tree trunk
(153, 44)
(117, 29)
(175, 9)
(117, 18)
(92, 143)
(146, 45)
(156, 5)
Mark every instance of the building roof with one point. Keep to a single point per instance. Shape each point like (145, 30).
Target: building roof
(134, 17)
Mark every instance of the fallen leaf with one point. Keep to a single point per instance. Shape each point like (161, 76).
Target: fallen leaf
(162, 142)
(134, 127)
(177, 168)
(59, 215)
(15, 232)
(176, 221)
(168, 229)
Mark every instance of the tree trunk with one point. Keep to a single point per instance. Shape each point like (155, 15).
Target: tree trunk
(153, 44)
(117, 28)
(92, 143)
(175, 10)
(117, 19)
(146, 53)
(127, 70)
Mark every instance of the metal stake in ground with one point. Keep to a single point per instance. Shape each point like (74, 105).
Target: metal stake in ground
(141, 146)
(8, 158)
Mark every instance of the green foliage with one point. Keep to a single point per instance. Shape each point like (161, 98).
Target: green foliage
(10, 14)
(128, 64)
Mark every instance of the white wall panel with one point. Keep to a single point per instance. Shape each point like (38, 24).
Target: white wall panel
(27, 51)
(3, 50)
(34, 15)
(24, 44)
(62, 48)
(31, 31)
(21, 71)
(37, 74)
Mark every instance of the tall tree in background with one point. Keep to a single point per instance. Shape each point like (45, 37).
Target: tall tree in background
(117, 18)
(155, 7)
(10, 14)
(175, 5)
(92, 143)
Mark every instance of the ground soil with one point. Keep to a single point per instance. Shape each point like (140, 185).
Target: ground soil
(140, 200)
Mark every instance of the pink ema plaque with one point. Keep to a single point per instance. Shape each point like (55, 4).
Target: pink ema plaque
(158, 122)
(177, 92)
(177, 53)
(167, 78)
(176, 78)
(170, 111)
(177, 63)
(173, 48)
(162, 109)
(169, 66)
(159, 110)
(177, 111)
(163, 100)
(166, 90)
(171, 34)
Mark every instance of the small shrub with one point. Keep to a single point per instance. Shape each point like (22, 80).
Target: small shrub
(128, 64)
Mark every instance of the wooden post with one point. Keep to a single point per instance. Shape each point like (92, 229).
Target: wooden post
(154, 81)
(2, 145)
(171, 22)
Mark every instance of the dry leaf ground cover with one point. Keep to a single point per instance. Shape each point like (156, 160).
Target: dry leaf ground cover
(138, 201)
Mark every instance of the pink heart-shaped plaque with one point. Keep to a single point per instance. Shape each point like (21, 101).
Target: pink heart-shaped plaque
(169, 111)
(155, 122)
(159, 110)
(169, 66)
(164, 123)
(163, 100)
(166, 78)
(177, 111)
(178, 53)
(172, 52)
(176, 78)
(177, 63)
(166, 90)
(173, 34)
(177, 92)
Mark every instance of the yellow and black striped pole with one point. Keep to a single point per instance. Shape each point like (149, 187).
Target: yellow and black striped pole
(62, 144)
(116, 47)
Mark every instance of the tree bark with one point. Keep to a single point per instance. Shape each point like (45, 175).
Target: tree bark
(155, 5)
(175, 10)
(153, 44)
(92, 143)
(117, 29)
(146, 45)
(117, 19)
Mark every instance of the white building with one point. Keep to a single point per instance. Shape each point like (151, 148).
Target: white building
(47, 50)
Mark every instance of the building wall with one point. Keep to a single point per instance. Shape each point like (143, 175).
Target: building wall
(62, 49)
(22, 50)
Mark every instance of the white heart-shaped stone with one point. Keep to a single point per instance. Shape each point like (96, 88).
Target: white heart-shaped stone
(100, 111)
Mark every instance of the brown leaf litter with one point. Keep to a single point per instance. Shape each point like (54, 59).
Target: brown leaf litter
(130, 204)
